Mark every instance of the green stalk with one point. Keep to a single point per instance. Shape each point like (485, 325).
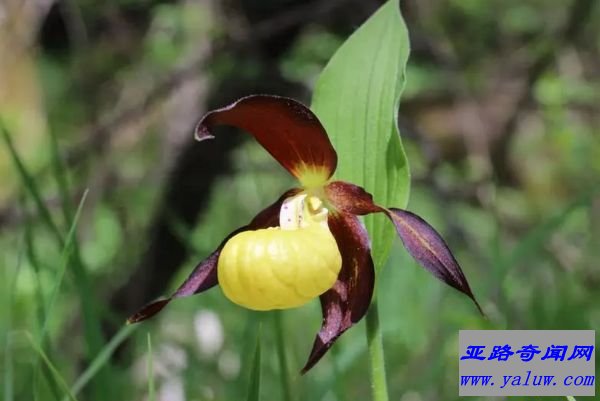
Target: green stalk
(376, 356)
(281, 356)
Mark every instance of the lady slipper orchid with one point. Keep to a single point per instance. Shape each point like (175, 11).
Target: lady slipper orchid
(310, 242)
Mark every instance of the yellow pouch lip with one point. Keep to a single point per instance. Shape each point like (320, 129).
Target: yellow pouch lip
(282, 267)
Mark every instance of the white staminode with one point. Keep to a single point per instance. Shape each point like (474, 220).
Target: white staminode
(300, 211)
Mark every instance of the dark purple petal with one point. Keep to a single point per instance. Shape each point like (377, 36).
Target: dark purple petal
(349, 298)
(420, 239)
(204, 276)
(430, 250)
(287, 129)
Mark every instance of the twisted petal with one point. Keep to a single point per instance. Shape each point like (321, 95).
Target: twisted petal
(204, 276)
(420, 239)
(287, 129)
(347, 302)
(430, 250)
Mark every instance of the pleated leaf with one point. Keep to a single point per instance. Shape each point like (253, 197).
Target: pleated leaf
(356, 98)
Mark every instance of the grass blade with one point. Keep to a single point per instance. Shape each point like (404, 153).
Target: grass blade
(60, 175)
(65, 258)
(91, 321)
(254, 384)
(8, 366)
(150, 371)
(36, 266)
(281, 355)
(30, 185)
(102, 358)
(57, 376)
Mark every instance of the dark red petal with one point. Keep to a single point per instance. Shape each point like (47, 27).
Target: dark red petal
(204, 276)
(347, 302)
(430, 250)
(287, 129)
(419, 238)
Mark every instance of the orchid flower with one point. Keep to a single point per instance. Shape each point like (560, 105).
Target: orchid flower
(309, 243)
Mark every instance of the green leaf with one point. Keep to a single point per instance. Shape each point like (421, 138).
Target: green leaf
(356, 98)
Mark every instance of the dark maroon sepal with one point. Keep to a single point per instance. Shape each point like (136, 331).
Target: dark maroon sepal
(205, 276)
(347, 302)
(429, 249)
(287, 129)
(350, 198)
(148, 311)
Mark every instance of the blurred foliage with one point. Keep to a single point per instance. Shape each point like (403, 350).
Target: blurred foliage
(529, 246)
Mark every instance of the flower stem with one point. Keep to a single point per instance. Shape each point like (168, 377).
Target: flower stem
(376, 356)
(281, 356)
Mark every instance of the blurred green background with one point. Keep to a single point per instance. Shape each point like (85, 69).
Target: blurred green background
(500, 120)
